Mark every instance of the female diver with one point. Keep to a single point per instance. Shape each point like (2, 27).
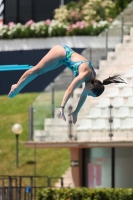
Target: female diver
(83, 72)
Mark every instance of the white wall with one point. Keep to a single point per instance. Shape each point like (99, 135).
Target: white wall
(47, 43)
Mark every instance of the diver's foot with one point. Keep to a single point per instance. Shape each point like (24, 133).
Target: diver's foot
(12, 92)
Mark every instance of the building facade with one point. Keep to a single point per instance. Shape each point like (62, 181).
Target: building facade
(23, 10)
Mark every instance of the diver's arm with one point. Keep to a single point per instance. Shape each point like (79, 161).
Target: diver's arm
(75, 83)
(82, 99)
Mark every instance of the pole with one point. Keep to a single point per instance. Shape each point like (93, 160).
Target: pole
(17, 11)
(53, 100)
(113, 166)
(4, 2)
(17, 149)
(62, 2)
(34, 171)
(106, 43)
(10, 188)
(70, 123)
(32, 11)
(112, 149)
(90, 54)
(31, 123)
(110, 122)
(72, 80)
(3, 192)
(122, 26)
(34, 159)
(62, 182)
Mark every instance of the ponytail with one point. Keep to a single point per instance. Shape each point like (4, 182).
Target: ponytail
(113, 79)
(98, 86)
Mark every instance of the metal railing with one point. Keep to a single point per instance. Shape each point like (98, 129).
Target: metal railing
(25, 187)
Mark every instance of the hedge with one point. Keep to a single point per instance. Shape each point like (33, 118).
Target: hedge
(50, 28)
(85, 194)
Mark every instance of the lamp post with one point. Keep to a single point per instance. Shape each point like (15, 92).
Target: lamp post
(17, 130)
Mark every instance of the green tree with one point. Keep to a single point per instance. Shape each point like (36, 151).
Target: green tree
(121, 4)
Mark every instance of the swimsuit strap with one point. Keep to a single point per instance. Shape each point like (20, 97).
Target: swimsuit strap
(85, 61)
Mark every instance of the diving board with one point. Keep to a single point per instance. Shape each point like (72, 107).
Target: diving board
(14, 67)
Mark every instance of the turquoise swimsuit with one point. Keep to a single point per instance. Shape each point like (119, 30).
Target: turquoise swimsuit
(75, 65)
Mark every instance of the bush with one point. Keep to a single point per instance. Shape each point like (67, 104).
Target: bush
(50, 28)
(82, 28)
(90, 10)
(96, 10)
(85, 10)
(85, 17)
(85, 194)
(61, 14)
(121, 4)
(30, 29)
(57, 28)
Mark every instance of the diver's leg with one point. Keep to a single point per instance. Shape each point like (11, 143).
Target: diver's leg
(49, 62)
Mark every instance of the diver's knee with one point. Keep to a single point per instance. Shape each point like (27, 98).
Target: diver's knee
(35, 70)
(57, 48)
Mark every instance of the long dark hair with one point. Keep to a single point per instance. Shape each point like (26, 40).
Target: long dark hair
(98, 86)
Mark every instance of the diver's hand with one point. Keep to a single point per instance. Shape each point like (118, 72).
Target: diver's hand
(12, 92)
(74, 116)
(62, 114)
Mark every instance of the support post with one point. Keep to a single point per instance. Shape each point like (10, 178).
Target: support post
(106, 43)
(34, 159)
(113, 167)
(17, 11)
(4, 11)
(33, 3)
(122, 26)
(31, 123)
(110, 121)
(70, 124)
(91, 54)
(17, 151)
(112, 149)
(62, 3)
(53, 100)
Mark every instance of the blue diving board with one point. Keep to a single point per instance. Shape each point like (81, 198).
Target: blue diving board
(14, 67)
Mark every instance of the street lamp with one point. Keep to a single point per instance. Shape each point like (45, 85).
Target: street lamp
(17, 130)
